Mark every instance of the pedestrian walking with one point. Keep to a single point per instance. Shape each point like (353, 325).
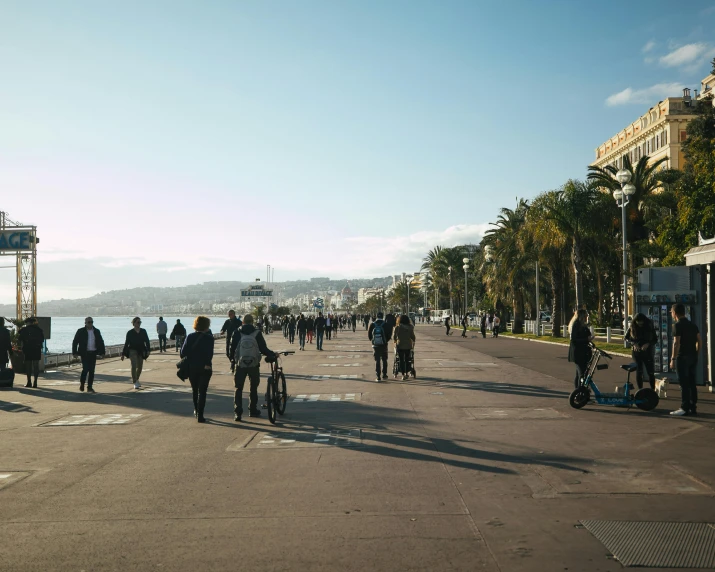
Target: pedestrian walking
(247, 346)
(230, 326)
(291, 330)
(496, 322)
(178, 334)
(5, 345)
(404, 339)
(483, 325)
(161, 329)
(32, 339)
(642, 337)
(379, 333)
(353, 321)
(579, 348)
(88, 344)
(136, 348)
(447, 325)
(684, 359)
(198, 349)
(320, 325)
(310, 324)
(329, 326)
(302, 327)
(464, 326)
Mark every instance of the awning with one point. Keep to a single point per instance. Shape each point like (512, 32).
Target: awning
(704, 254)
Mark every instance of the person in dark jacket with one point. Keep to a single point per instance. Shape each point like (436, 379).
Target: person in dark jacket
(319, 331)
(5, 345)
(32, 339)
(199, 350)
(136, 348)
(579, 348)
(310, 325)
(88, 344)
(483, 325)
(380, 350)
(404, 338)
(178, 334)
(230, 326)
(253, 373)
(302, 327)
(465, 323)
(291, 330)
(642, 337)
(446, 324)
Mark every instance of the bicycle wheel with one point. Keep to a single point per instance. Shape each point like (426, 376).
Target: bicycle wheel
(579, 397)
(271, 401)
(281, 393)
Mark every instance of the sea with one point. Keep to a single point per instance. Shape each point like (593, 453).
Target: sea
(114, 329)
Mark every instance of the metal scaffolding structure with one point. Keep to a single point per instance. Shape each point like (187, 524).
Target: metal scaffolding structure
(25, 253)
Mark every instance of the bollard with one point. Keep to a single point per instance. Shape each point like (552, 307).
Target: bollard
(608, 334)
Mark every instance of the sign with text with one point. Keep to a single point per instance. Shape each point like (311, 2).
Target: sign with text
(257, 291)
(16, 239)
(668, 297)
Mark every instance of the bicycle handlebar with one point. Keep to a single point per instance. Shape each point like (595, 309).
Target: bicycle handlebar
(599, 350)
(288, 353)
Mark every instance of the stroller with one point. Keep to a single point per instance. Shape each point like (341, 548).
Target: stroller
(410, 365)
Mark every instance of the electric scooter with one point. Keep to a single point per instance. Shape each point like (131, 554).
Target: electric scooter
(645, 398)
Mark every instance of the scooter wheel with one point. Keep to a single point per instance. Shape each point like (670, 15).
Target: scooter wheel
(579, 397)
(646, 399)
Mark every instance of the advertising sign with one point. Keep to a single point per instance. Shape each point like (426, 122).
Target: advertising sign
(16, 239)
(257, 291)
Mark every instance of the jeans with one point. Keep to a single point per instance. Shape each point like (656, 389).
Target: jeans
(580, 372)
(464, 331)
(645, 359)
(319, 339)
(89, 362)
(179, 342)
(404, 356)
(484, 331)
(199, 378)
(380, 354)
(254, 377)
(685, 368)
(162, 342)
(448, 328)
(137, 360)
(301, 339)
(291, 336)
(329, 331)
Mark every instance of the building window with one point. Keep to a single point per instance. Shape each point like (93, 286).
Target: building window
(657, 142)
(665, 137)
(683, 136)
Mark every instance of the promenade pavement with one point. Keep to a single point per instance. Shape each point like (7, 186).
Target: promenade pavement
(478, 464)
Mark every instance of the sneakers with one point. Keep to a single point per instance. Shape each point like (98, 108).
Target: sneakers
(378, 379)
(91, 390)
(81, 385)
(137, 385)
(254, 412)
(384, 376)
(404, 378)
(28, 384)
(679, 413)
(237, 417)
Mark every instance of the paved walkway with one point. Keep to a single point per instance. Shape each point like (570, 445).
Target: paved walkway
(479, 464)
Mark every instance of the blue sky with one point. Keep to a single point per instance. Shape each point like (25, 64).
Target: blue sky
(159, 143)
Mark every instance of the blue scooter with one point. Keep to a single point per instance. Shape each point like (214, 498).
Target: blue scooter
(645, 399)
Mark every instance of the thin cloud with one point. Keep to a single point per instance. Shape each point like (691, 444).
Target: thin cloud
(649, 95)
(689, 56)
(648, 47)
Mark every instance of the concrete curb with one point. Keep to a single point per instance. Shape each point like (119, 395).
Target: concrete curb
(557, 344)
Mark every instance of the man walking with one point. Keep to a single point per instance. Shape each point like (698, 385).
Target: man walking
(302, 327)
(230, 326)
(88, 344)
(447, 325)
(178, 334)
(161, 329)
(247, 346)
(464, 326)
(379, 333)
(320, 325)
(5, 345)
(32, 338)
(684, 359)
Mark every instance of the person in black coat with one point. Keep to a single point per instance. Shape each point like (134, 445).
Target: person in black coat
(199, 350)
(579, 348)
(32, 339)
(5, 345)
(291, 330)
(643, 337)
(483, 325)
(88, 344)
(136, 348)
(178, 334)
(302, 327)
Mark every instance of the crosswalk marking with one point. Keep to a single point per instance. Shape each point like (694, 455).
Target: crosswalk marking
(344, 376)
(313, 397)
(339, 364)
(100, 419)
(162, 388)
(339, 437)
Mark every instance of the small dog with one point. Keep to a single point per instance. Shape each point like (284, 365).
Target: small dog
(661, 386)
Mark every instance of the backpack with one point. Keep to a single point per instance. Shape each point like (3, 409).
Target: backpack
(378, 334)
(247, 353)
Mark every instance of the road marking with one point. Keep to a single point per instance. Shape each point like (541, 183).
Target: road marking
(344, 376)
(144, 370)
(100, 419)
(338, 437)
(162, 388)
(339, 364)
(312, 398)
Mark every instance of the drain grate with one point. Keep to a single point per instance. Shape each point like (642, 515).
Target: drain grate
(657, 544)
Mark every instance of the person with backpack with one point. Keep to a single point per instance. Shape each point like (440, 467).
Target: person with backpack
(88, 344)
(247, 346)
(320, 325)
(32, 339)
(379, 333)
(178, 334)
(198, 349)
(136, 348)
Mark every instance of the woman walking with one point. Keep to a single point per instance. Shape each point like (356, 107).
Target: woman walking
(642, 337)
(136, 348)
(404, 338)
(310, 325)
(32, 339)
(199, 350)
(579, 349)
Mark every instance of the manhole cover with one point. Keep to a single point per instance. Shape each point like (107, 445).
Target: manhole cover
(98, 419)
(301, 439)
(512, 413)
(657, 544)
(313, 397)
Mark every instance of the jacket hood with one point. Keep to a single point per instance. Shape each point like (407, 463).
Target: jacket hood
(247, 329)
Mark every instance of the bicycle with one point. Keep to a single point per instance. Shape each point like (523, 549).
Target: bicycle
(276, 390)
(645, 398)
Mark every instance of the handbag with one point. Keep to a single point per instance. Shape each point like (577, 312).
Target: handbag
(182, 366)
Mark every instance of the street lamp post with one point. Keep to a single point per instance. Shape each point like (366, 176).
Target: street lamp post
(622, 196)
(451, 306)
(466, 267)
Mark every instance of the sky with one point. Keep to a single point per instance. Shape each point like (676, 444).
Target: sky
(159, 143)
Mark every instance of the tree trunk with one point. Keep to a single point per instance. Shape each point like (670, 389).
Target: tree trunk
(577, 261)
(599, 282)
(556, 290)
(518, 304)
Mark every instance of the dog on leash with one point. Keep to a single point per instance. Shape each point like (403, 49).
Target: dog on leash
(661, 386)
